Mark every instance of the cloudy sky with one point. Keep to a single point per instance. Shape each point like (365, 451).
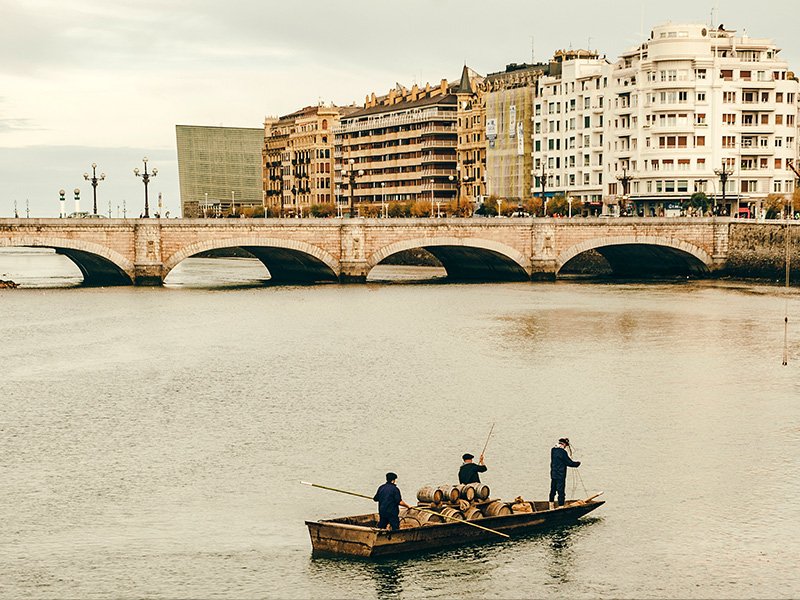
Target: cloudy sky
(103, 81)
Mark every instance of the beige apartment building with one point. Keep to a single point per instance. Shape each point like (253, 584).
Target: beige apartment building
(404, 146)
(509, 99)
(219, 170)
(298, 160)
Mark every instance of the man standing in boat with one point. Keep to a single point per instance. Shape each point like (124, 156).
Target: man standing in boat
(468, 473)
(389, 502)
(559, 461)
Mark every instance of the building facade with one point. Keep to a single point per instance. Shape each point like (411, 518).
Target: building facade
(298, 160)
(219, 170)
(404, 146)
(568, 129)
(509, 99)
(692, 107)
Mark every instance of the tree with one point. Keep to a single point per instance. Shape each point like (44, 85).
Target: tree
(774, 205)
(327, 209)
(698, 203)
(399, 209)
(421, 208)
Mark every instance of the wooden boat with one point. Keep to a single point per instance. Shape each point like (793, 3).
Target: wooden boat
(359, 536)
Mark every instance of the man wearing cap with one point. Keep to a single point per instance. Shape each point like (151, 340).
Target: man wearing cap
(559, 461)
(468, 473)
(389, 502)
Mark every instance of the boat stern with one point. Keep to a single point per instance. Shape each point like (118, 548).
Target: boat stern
(336, 539)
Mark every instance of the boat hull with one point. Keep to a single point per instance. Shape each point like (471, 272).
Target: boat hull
(336, 538)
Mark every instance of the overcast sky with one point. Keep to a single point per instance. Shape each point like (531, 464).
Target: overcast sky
(103, 81)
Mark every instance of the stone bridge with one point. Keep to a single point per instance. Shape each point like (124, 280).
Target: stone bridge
(144, 251)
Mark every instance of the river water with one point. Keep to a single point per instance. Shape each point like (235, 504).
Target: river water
(154, 439)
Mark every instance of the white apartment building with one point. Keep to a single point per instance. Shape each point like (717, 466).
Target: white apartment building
(692, 106)
(569, 119)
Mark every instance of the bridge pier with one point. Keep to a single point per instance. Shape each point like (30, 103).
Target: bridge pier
(543, 269)
(148, 275)
(353, 272)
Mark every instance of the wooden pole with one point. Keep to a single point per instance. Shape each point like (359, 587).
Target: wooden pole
(432, 512)
(487, 439)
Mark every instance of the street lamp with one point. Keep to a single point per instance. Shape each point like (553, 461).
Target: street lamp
(542, 181)
(233, 202)
(62, 203)
(625, 180)
(569, 201)
(146, 179)
(338, 202)
(383, 198)
(294, 195)
(723, 175)
(351, 175)
(77, 194)
(94, 179)
(458, 181)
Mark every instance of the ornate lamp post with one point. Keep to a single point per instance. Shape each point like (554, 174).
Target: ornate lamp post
(542, 182)
(77, 194)
(294, 195)
(625, 180)
(723, 175)
(62, 203)
(383, 199)
(146, 179)
(94, 179)
(351, 175)
(458, 181)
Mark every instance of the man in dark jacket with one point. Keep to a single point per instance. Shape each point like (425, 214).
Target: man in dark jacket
(468, 473)
(559, 461)
(389, 502)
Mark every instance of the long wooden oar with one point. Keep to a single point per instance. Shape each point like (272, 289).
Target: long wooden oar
(432, 512)
(487, 440)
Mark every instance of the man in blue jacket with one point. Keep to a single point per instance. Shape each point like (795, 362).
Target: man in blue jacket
(559, 461)
(389, 502)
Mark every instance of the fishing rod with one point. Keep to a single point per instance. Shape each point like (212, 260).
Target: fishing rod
(487, 440)
(425, 510)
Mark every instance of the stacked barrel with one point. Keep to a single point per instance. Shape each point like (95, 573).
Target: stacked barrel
(447, 502)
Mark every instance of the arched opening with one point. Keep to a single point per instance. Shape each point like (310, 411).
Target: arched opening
(281, 262)
(637, 260)
(463, 259)
(53, 264)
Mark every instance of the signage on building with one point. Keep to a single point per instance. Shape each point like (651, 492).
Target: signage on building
(491, 129)
(520, 140)
(512, 120)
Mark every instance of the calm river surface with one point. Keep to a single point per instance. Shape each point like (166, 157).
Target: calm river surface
(154, 439)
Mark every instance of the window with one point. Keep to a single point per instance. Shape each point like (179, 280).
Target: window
(683, 164)
(726, 74)
(700, 119)
(779, 97)
(778, 163)
(699, 141)
(700, 74)
(537, 111)
(790, 120)
(701, 96)
(669, 185)
(683, 185)
(729, 118)
(729, 97)
(776, 186)
(683, 97)
(587, 122)
(729, 141)
(744, 75)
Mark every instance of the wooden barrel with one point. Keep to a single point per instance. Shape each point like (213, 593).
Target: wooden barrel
(424, 517)
(481, 491)
(408, 522)
(496, 509)
(466, 491)
(462, 505)
(430, 494)
(450, 492)
(472, 513)
(452, 513)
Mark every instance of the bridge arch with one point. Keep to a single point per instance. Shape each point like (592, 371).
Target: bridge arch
(644, 255)
(99, 265)
(465, 258)
(288, 261)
